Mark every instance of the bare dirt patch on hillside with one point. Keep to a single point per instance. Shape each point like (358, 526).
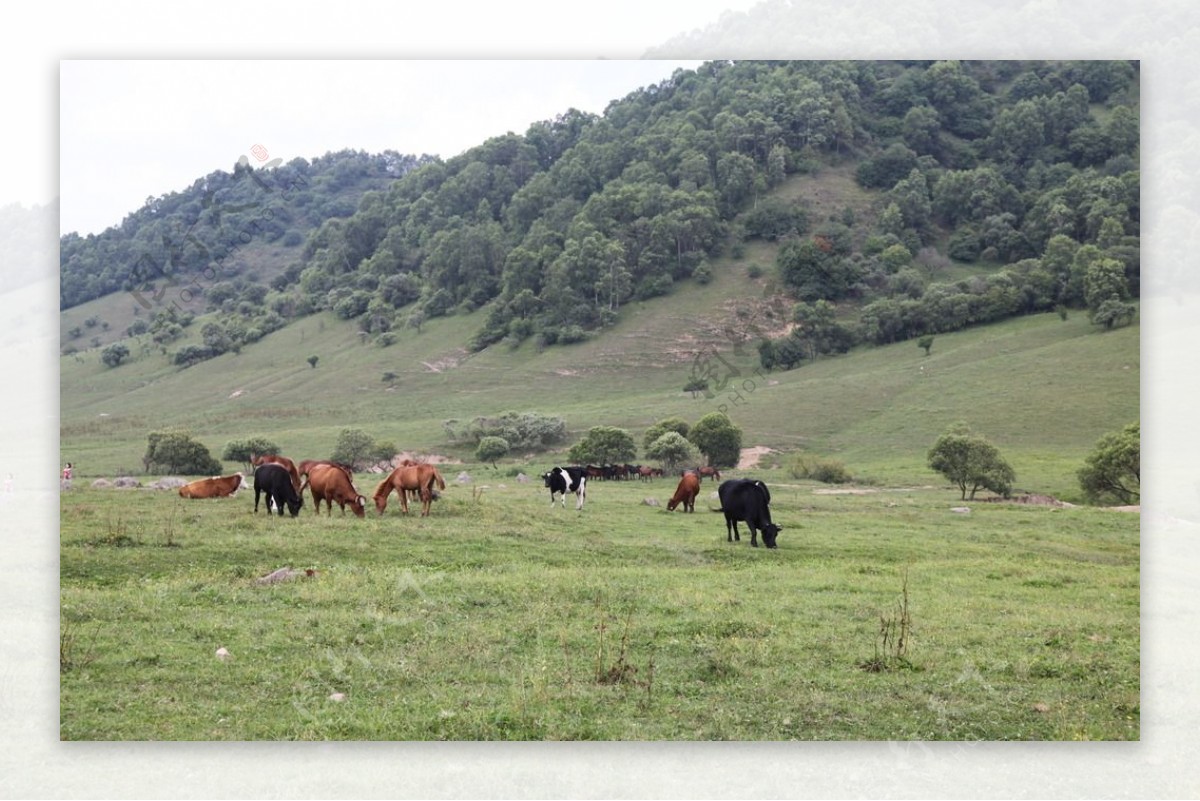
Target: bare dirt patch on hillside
(448, 362)
(749, 457)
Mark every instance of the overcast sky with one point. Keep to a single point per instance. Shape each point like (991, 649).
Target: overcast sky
(131, 129)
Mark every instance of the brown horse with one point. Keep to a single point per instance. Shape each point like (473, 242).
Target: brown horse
(710, 472)
(419, 477)
(257, 459)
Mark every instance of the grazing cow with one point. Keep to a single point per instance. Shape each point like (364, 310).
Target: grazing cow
(685, 493)
(710, 472)
(273, 458)
(329, 483)
(419, 477)
(215, 487)
(275, 481)
(564, 480)
(747, 500)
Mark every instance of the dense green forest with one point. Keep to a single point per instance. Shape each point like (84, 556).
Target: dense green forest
(193, 232)
(997, 188)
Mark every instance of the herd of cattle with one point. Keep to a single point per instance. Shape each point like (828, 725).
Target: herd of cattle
(283, 482)
(742, 499)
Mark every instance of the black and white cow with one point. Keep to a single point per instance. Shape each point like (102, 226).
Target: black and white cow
(276, 482)
(567, 479)
(748, 500)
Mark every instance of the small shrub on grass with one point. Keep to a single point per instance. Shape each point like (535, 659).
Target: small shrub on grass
(72, 652)
(817, 468)
(891, 641)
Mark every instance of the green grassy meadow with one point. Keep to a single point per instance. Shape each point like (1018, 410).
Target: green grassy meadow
(500, 618)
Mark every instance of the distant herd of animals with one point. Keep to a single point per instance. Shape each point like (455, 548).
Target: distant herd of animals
(283, 482)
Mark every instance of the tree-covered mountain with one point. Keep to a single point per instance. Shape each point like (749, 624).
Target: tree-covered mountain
(191, 232)
(1018, 180)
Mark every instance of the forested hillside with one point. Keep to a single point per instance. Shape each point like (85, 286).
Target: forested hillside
(993, 189)
(193, 231)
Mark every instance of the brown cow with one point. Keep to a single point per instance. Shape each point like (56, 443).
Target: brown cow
(329, 483)
(283, 461)
(420, 477)
(215, 487)
(685, 493)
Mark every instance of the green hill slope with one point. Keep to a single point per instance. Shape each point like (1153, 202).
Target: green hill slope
(1041, 388)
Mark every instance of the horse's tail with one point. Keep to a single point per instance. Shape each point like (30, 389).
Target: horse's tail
(441, 482)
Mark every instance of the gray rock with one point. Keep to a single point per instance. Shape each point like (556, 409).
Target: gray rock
(168, 482)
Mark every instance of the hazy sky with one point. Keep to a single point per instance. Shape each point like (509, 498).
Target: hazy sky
(131, 129)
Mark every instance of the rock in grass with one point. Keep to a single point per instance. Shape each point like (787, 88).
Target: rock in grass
(222, 654)
(651, 502)
(337, 697)
(961, 510)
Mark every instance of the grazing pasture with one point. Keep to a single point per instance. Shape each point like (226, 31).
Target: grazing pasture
(499, 618)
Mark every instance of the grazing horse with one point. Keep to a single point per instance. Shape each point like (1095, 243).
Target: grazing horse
(710, 472)
(419, 477)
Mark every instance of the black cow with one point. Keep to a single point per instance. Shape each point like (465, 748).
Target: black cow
(567, 479)
(749, 500)
(276, 482)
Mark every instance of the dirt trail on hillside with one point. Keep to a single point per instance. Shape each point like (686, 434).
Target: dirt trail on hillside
(750, 457)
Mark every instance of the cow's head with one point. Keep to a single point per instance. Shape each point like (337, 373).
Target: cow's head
(769, 532)
(546, 478)
(294, 505)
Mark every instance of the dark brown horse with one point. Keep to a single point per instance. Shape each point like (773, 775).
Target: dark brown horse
(710, 472)
(419, 477)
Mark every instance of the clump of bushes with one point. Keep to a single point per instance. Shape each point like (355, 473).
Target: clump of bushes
(818, 468)
(522, 431)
